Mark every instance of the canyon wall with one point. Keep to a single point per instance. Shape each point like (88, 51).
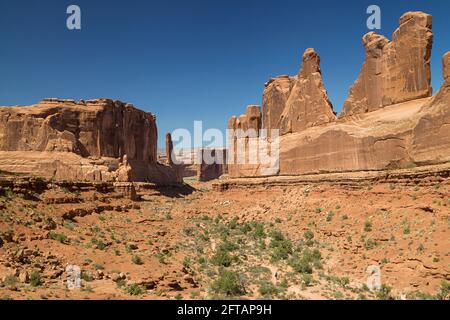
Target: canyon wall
(390, 120)
(94, 140)
(394, 71)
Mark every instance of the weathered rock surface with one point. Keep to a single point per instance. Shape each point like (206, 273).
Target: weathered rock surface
(84, 140)
(408, 134)
(446, 69)
(389, 121)
(276, 93)
(214, 164)
(308, 104)
(394, 71)
(293, 104)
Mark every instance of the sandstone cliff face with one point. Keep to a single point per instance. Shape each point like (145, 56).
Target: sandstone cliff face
(276, 93)
(91, 138)
(308, 104)
(398, 123)
(412, 133)
(394, 71)
(96, 128)
(294, 104)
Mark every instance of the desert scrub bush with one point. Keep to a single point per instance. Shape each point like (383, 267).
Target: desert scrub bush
(134, 290)
(222, 258)
(307, 279)
(369, 244)
(444, 291)
(35, 279)
(9, 193)
(330, 216)
(99, 244)
(187, 262)
(304, 262)
(318, 210)
(228, 246)
(86, 276)
(58, 237)
(268, 289)
(367, 226)
(384, 293)
(281, 247)
(406, 228)
(136, 259)
(258, 231)
(308, 235)
(10, 281)
(229, 283)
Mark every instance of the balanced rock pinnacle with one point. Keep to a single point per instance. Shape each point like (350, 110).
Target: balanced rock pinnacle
(308, 104)
(394, 71)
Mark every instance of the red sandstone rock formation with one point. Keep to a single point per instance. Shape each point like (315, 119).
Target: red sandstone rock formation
(408, 134)
(394, 71)
(398, 125)
(210, 170)
(308, 104)
(276, 93)
(81, 141)
(294, 104)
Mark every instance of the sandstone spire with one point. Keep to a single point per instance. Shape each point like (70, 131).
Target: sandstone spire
(396, 71)
(308, 104)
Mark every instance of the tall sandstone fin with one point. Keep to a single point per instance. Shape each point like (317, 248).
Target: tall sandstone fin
(276, 93)
(308, 104)
(394, 71)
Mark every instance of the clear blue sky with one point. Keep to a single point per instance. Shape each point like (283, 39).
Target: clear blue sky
(189, 60)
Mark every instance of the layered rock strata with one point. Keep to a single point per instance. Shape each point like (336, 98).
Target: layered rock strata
(93, 140)
(394, 71)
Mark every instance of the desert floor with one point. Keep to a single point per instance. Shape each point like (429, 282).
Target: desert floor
(311, 241)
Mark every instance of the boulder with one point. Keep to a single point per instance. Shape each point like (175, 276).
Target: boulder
(394, 71)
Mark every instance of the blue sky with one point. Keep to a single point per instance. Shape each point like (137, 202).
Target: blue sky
(187, 60)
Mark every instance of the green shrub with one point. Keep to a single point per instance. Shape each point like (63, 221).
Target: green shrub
(444, 291)
(228, 283)
(281, 247)
(35, 279)
(258, 232)
(222, 258)
(367, 226)
(135, 290)
(307, 279)
(136, 260)
(384, 293)
(10, 281)
(308, 235)
(330, 216)
(300, 265)
(267, 288)
(57, 236)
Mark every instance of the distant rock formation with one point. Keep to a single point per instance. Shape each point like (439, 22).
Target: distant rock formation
(210, 170)
(394, 71)
(398, 124)
(308, 104)
(93, 140)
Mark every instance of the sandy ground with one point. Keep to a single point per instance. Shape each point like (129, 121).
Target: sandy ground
(311, 241)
